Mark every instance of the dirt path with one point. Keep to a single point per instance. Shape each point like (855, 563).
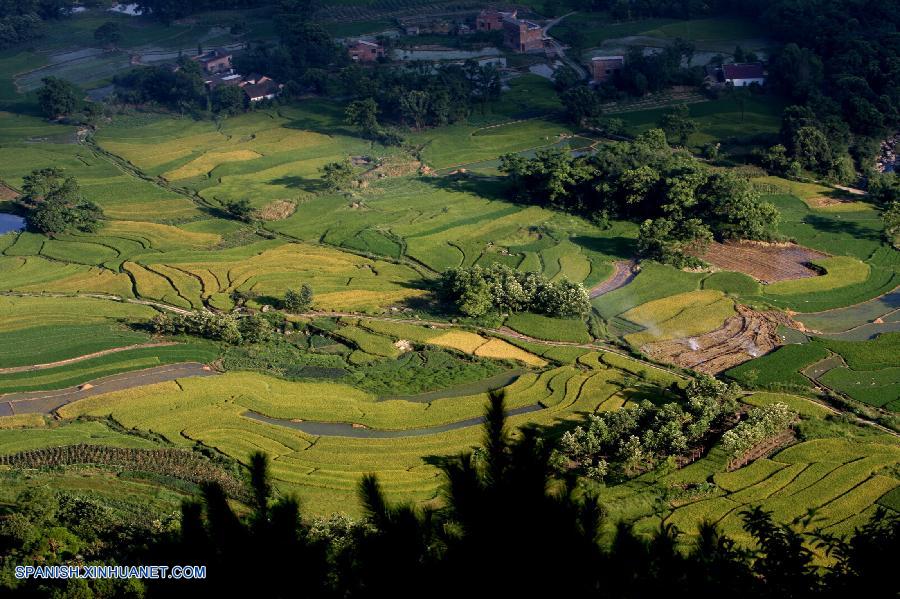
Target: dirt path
(97, 354)
(625, 271)
(47, 402)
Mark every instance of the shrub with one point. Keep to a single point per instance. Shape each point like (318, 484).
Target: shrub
(761, 424)
(476, 290)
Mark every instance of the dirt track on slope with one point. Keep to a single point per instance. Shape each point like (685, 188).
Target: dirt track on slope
(47, 402)
(97, 354)
(625, 271)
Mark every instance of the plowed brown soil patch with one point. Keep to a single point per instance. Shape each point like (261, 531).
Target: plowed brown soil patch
(743, 337)
(277, 210)
(765, 262)
(7, 193)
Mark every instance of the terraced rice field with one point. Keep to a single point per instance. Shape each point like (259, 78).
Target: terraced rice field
(325, 470)
(262, 156)
(833, 481)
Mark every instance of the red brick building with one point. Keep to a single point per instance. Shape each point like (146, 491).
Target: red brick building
(215, 61)
(363, 51)
(523, 36)
(604, 67)
(518, 34)
(491, 20)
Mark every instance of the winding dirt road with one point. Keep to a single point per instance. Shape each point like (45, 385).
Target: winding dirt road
(47, 402)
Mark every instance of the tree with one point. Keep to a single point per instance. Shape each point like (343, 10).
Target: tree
(272, 535)
(227, 99)
(581, 104)
(677, 125)
(298, 300)
(363, 116)
(58, 98)
(108, 35)
(891, 217)
(414, 105)
(565, 77)
(240, 209)
(55, 204)
(337, 175)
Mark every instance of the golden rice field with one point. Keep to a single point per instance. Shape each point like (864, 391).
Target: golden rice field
(325, 470)
(681, 315)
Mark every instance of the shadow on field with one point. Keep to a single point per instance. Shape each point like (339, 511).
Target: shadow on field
(303, 183)
(617, 247)
(492, 188)
(834, 225)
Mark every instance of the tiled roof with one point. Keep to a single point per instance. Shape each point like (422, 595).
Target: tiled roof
(743, 71)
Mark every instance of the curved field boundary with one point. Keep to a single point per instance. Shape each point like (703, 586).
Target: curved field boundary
(105, 352)
(497, 381)
(47, 402)
(625, 272)
(336, 429)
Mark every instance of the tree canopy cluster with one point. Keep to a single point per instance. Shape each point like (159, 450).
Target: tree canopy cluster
(180, 88)
(631, 440)
(215, 326)
(681, 203)
(169, 10)
(475, 291)
(55, 204)
(22, 20)
(840, 65)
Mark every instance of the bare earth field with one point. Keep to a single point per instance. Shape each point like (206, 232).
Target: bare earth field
(767, 263)
(745, 336)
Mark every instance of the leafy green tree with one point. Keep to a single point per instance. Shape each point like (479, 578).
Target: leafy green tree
(677, 124)
(582, 104)
(240, 209)
(891, 217)
(337, 175)
(363, 116)
(108, 35)
(55, 204)
(58, 98)
(228, 99)
(255, 329)
(298, 300)
(415, 106)
(565, 77)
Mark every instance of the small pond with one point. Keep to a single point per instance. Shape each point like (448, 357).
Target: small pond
(10, 222)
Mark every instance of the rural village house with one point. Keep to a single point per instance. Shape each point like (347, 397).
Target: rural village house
(744, 74)
(604, 67)
(518, 34)
(256, 87)
(215, 61)
(365, 51)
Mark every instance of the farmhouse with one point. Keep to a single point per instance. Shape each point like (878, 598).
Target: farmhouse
(365, 51)
(491, 20)
(518, 34)
(215, 61)
(744, 74)
(604, 67)
(263, 89)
